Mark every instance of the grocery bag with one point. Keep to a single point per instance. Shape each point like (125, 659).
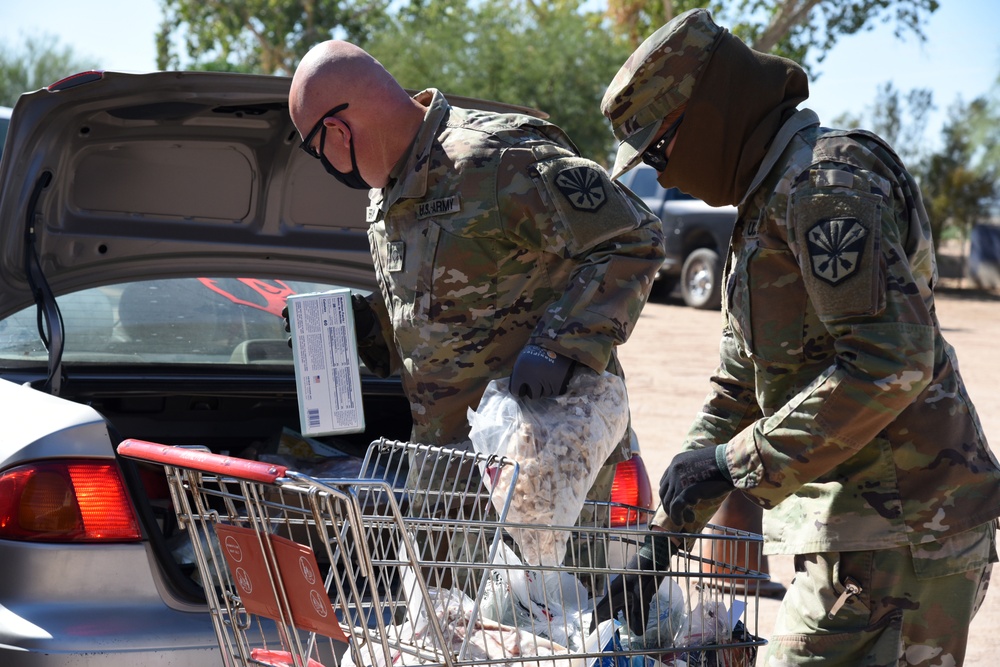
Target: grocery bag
(560, 444)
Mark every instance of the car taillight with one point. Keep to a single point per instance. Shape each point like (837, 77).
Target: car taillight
(631, 487)
(66, 501)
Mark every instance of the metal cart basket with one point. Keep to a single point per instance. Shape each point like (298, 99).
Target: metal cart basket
(413, 563)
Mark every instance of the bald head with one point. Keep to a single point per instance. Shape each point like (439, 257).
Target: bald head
(333, 73)
(381, 115)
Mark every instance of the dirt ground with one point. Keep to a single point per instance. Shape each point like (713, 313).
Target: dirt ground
(674, 349)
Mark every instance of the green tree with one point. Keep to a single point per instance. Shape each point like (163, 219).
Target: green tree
(899, 119)
(959, 185)
(797, 29)
(556, 55)
(551, 55)
(261, 36)
(37, 63)
(984, 130)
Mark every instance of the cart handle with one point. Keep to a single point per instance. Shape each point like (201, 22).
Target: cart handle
(181, 457)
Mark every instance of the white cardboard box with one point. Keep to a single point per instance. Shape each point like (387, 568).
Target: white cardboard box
(327, 372)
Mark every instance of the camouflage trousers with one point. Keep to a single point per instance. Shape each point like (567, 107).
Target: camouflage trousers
(903, 606)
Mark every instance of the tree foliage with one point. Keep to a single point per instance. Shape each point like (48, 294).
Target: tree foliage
(960, 181)
(37, 63)
(261, 36)
(899, 119)
(984, 130)
(796, 29)
(548, 54)
(556, 55)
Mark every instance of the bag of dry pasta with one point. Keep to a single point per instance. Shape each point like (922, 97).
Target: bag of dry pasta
(560, 444)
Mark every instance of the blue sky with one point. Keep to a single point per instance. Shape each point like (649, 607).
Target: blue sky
(961, 57)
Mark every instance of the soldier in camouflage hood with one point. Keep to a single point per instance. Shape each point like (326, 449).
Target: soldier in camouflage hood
(499, 251)
(838, 405)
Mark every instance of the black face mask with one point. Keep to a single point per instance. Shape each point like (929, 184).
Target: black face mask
(352, 178)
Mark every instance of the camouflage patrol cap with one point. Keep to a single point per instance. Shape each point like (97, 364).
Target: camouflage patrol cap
(656, 79)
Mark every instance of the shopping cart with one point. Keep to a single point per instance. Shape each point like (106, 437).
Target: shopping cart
(413, 563)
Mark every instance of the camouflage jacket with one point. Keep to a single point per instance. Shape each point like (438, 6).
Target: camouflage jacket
(841, 401)
(493, 234)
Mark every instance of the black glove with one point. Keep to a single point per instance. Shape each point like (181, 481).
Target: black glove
(632, 592)
(693, 476)
(539, 372)
(365, 322)
(288, 324)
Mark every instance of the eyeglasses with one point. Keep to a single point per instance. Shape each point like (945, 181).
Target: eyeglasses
(656, 155)
(306, 144)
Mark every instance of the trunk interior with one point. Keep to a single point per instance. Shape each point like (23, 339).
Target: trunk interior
(246, 416)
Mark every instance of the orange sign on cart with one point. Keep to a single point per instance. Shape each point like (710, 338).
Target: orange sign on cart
(299, 573)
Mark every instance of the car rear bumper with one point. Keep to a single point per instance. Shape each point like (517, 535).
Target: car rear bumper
(83, 605)
(164, 650)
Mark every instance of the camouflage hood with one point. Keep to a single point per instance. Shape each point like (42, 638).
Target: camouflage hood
(657, 79)
(741, 100)
(735, 100)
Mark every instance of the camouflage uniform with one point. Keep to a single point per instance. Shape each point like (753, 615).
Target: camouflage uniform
(841, 401)
(492, 234)
(842, 405)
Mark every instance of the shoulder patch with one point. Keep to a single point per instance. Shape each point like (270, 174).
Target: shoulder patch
(583, 187)
(836, 237)
(585, 207)
(836, 248)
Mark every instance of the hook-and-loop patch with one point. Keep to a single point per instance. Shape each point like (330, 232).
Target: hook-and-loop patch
(837, 237)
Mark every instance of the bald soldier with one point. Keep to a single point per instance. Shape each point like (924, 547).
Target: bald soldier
(499, 251)
(837, 405)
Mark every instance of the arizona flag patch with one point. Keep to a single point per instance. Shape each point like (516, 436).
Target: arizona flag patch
(836, 246)
(583, 187)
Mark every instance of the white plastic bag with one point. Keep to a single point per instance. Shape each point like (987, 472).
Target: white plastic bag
(708, 623)
(547, 603)
(666, 615)
(560, 444)
(466, 637)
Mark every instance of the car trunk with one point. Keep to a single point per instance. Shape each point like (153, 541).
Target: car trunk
(244, 415)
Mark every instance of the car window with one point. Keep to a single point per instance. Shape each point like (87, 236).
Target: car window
(184, 320)
(643, 183)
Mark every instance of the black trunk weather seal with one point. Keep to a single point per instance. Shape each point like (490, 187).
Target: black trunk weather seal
(50, 322)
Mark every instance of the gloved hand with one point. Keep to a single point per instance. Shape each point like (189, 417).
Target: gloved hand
(539, 372)
(695, 475)
(632, 592)
(288, 324)
(365, 322)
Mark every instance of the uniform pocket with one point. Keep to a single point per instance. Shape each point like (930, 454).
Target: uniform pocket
(870, 647)
(463, 282)
(826, 616)
(768, 303)
(778, 305)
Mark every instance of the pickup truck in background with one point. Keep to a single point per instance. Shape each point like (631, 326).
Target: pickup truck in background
(696, 236)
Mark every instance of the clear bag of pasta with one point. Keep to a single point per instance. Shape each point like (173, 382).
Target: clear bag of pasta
(560, 444)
